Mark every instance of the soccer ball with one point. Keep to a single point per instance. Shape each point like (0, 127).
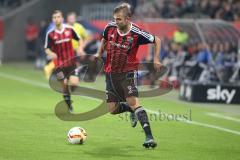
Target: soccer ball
(77, 135)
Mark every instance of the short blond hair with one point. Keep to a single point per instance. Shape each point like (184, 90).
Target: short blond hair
(125, 7)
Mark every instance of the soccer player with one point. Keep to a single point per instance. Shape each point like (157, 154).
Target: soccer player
(58, 45)
(80, 30)
(121, 39)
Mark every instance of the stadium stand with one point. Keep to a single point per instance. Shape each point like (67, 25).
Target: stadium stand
(215, 9)
(8, 5)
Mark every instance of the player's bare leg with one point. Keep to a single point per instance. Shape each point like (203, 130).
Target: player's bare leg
(117, 108)
(143, 119)
(112, 107)
(66, 94)
(133, 103)
(74, 81)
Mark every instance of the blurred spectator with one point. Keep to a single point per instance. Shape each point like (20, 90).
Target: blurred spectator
(204, 56)
(228, 10)
(228, 14)
(225, 63)
(179, 61)
(213, 7)
(41, 57)
(235, 78)
(180, 36)
(31, 36)
(6, 5)
(201, 62)
(93, 44)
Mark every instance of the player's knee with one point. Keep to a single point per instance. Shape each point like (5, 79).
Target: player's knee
(74, 81)
(112, 108)
(133, 102)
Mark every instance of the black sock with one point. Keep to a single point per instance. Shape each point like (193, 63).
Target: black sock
(67, 99)
(143, 119)
(122, 107)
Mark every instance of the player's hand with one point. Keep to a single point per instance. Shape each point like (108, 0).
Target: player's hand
(94, 57)
(157, 65)
(81, 53)
(52, 56)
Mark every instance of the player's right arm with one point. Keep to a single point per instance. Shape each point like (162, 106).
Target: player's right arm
(50, 53)
(101, 48)
(103, 43)
(47, 46)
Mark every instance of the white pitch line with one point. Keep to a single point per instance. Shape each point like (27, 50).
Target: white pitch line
(24, 80)
(213, 126)
(201, 124)
(36, 83)
(217, 115)
(44, 85)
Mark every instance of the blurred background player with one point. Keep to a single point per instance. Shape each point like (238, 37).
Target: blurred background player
(59, 47)
(121, 39)
(79, 29)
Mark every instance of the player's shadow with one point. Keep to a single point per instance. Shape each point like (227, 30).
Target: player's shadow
(119, 151)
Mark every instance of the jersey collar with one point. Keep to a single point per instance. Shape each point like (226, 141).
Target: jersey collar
(60, 31)
(124, 34)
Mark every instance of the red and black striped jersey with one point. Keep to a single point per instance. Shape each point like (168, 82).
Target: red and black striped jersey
(60, 42)
(122, 48)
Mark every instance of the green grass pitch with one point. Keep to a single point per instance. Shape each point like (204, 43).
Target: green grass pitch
(29, 129)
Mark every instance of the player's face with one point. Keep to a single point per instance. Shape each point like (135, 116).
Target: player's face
(71, 19)
(121, 20)
(57, 19)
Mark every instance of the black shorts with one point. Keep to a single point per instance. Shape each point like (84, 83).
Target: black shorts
(66, 72)
(119, 86)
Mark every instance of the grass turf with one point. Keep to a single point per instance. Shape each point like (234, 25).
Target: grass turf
(30, 129)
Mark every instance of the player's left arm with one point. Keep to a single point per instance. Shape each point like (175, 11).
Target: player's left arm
(156, 57)
(146, 38)
(80, 50)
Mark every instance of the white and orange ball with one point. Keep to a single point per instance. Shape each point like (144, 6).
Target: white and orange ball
(77, 135)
